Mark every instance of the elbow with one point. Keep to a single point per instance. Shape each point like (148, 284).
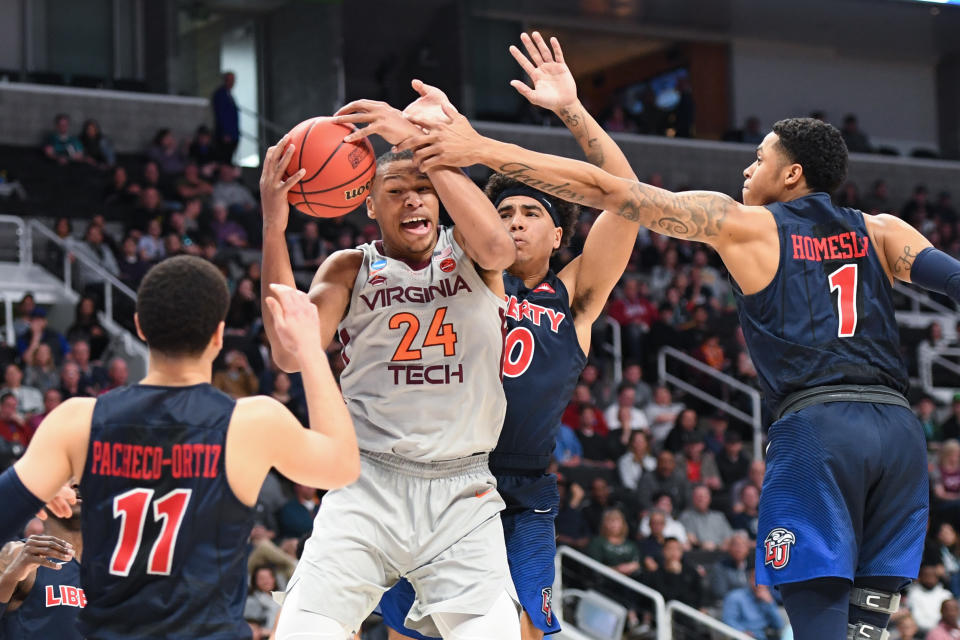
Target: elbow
(349, 470)
(499, 254)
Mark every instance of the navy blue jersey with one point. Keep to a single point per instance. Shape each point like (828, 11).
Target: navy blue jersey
(542, 361)
(165, 538)
(827, 317)
(50, 609)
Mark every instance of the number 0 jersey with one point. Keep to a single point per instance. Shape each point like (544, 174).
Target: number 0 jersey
(423, 350)
(827, 317)
(165, 538)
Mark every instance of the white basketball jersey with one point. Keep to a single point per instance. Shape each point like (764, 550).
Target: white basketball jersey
(423, 350)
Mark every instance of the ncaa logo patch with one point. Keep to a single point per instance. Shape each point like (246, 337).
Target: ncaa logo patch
(776, 547)
(547, 606)
(378, 265)
(447, 265)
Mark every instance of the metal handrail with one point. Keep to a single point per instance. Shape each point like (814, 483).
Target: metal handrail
(754, 420)
(659, 605)
(267, 124)
(616, 347)
(24, 247)
(675, 607)
(926, 359)
(919, 298)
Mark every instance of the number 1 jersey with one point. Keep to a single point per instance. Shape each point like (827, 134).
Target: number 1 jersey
(165, 538)
(423, 346)
(827, 317)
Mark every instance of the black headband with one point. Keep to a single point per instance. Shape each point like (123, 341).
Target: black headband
(530, 192)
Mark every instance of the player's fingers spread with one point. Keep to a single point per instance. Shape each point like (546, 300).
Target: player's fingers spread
(531, 48)
(294, 179)
(542, 47)
(522, 60)
(285, 160)
(521, 88)
(557, 51)
(360, 134)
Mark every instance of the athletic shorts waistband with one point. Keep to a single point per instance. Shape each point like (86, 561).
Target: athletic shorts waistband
(876, 394)
(433, 469)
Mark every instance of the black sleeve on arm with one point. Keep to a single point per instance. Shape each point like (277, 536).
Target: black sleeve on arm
(19, 505)
(936, 271)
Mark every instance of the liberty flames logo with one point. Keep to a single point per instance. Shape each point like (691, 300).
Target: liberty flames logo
(547, 594)
(777, 547)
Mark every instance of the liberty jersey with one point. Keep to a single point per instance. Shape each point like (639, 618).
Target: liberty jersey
(827, 317)
(165, 538)
(50, 609)
(542, 362)
(435, 332)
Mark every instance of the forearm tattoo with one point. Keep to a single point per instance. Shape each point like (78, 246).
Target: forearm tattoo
(905, 262)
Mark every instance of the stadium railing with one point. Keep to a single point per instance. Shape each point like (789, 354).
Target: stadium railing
(687, 622)
(728, 384)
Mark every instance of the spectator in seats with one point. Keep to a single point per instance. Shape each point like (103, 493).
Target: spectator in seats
(21, 323)
(661, 413)
(60, 146)
(944, 208)
(687, 422)
(131, 264)
(948, 628)
(87, 327)
(926, 414)
(746, 510)
(572, 527)
(733, 464)
(672, 528)
(675, 579)
(244, 307)
(226, 119)
(167, 154)
(13, 428)
(116, 375)
(261, 608)
(150, 246)
(599, 390)
(232, 193)
(29, 399)
(734, 571)
(92, 375)
(597, 448)
(149, 208)
(582, 398)
(744, 371)
(917, 209)
(904, 626)
(925, 597)
(70, 380)
(634, 312)
(569, 451)
(95, 250)
(202, 150)
(227, 232)
(172, 245)
(664, 272)
(238, 379)
(944, 551)
(281, 393)
(711, 353)
(664, 479)
(97, 148)
(309, 250)
(849, 196)
(612, 547)
(601, 499)
(39, 334)
(857, 141)
(153, 178)
(637, 461)
(753, 611)
(716, 433)
(696, 463)
(120, 191)
(42, 371)
(623, 414)
(755, 472)
(177, 225)
(192, 185)
(295, 518)
(706, 529)
(633, 375)
(618, 122)
(651, 545)
(51, 400)
(877, 201)
(945, 481)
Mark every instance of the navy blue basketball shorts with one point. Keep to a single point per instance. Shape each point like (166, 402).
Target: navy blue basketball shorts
(845, 494)
(530, 535)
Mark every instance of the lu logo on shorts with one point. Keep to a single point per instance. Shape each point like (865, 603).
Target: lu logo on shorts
(547, 608)
(777, 547)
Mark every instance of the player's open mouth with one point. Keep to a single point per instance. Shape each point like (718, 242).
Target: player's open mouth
(416, 226)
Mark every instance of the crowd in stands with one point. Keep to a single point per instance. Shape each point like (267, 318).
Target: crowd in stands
(660, 487)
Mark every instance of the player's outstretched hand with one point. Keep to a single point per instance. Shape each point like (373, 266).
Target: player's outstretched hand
(62, 504)
(296, 321)
(379, 117)
(274, 184)
(553, 85)
(456, 144)
(37, 551)
(428, 108)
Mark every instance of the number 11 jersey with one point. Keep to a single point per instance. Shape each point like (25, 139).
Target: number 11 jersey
(165, 538)
(827, 316)
(423, 345)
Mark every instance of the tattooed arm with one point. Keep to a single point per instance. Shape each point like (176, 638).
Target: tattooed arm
(898, 244)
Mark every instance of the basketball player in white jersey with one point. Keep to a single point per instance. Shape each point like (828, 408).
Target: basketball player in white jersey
(420, 315)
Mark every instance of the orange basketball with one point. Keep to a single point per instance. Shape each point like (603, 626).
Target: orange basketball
(338, 173)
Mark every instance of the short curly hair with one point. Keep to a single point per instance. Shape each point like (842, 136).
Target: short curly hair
(816, 146)
(567, 212)
(179, 305)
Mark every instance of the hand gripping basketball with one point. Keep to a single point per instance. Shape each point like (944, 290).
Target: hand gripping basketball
(296, 321)
(275, 184)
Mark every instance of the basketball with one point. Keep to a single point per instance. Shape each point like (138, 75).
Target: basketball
(338, 173)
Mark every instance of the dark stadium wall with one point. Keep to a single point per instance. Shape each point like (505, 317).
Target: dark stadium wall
(948, 105)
